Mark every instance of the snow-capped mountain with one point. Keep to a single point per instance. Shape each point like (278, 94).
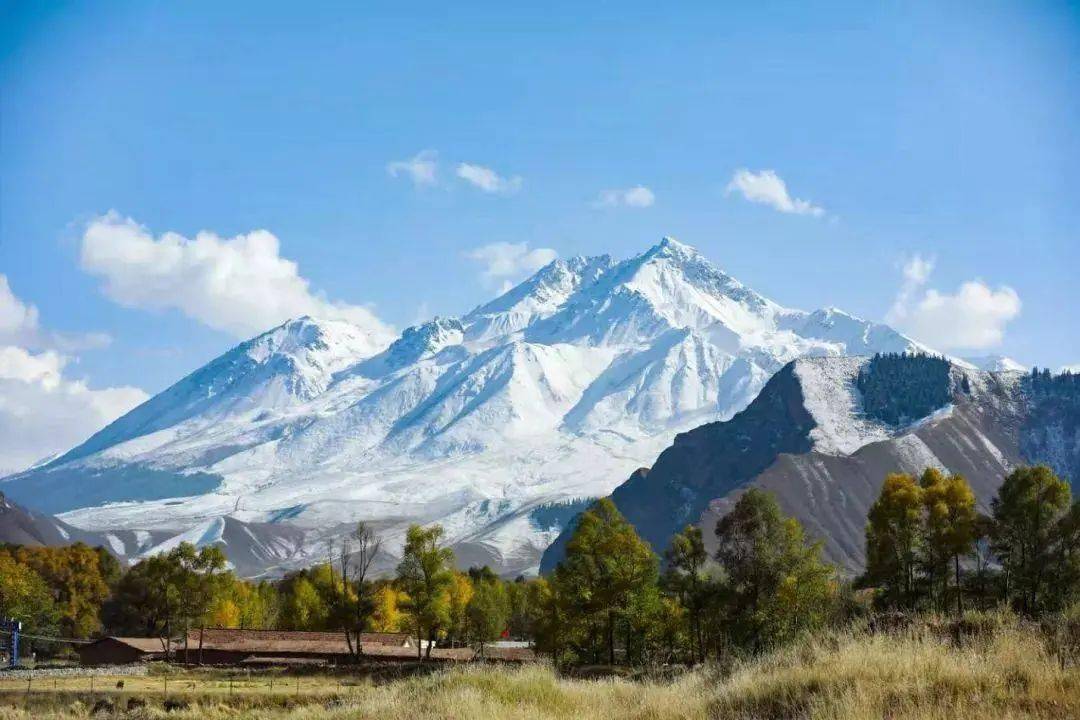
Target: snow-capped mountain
(488, 424)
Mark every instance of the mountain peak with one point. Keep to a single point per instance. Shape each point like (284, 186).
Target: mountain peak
(535, 298)
(424, 340)
(304, 335)
(671, 244)
(670, 248)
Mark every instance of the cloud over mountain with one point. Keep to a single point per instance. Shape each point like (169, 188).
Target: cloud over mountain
(240, 285)
(506, 263)
(768, 188)
(42, 411)
(973, 317)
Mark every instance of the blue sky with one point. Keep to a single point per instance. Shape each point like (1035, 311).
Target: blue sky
(946, 133)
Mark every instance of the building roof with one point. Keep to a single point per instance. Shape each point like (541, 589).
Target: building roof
(293, 641)
(142, 644)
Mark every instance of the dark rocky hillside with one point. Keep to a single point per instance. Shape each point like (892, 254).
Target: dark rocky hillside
(905, 413)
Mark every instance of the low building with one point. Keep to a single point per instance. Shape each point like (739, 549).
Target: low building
(227, 646)
(222, 646)
(122, 650)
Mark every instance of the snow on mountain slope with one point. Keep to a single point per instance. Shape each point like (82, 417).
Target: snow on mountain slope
(830, 396)
(997, 363)
(538, 297)
(550, 393)
(284, 367)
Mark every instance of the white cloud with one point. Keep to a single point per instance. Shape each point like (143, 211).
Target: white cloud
(240, 285)
(488, 180)
(43, 412)
(768, 188)
(18, 320)
(19, 325)
(1075, 369)
(915, 274)
(420, 168)
(974, 317)
(505, 264)
(638, 196)
(45, 368)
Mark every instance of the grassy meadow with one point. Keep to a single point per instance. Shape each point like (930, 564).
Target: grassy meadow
(993, 667)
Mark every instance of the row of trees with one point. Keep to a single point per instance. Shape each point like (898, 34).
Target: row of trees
(929, 547)
(81, 592)
(759, 583)
(608, 601)
(58, 589)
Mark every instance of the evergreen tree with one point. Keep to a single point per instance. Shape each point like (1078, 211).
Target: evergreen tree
(686, 578)
(1066, 586)
(778, 585)
(488, 611)
(1027, 512)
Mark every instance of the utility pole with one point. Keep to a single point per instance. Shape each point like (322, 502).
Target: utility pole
(12, 628)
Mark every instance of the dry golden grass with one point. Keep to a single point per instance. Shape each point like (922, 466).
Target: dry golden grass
(1005, 673)
(916, 675)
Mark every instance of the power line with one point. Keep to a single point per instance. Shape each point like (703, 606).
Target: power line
(49, 638)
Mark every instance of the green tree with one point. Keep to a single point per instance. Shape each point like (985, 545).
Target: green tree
(519, 596)
(303, 607)
(606, 565)
(548, 622)
(424, 575)
(148, 599)
(205, 584)
(893, 539)
(1027, 510)
(25, 596)
(982, 579)
(488, 611)
(1066, 587)
(686, 578)
(778, 585)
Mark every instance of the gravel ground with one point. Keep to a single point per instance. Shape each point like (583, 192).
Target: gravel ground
(72, 671)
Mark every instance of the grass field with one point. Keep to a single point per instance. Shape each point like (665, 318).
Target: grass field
(1007, 671)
